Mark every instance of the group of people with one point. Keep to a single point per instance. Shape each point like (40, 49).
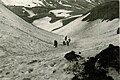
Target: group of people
(68, 40)
(65, 42)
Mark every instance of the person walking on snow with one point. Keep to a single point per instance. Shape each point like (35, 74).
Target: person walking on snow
(64, 43)
(118, 30)
(67, 43)
(55, 43)
(69, 40)
(65, 38)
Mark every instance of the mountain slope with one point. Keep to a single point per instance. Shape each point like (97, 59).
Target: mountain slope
(107, 11)
(40, 61)
(18, 36)
(93, 20)
(91, 36)
(79, 27)
(20, 44)
(36, 10)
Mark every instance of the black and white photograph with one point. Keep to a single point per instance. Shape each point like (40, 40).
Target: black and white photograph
(59, 40)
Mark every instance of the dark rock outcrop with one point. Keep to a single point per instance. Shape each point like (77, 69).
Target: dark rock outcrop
(71, 56)
(106, 11)
(97, 67)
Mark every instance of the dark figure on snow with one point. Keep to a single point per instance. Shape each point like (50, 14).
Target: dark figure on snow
(55, 43)
(67, 43)
(79, 52)
(118, 31)
(64, 43)
(69, 40)
(65, 38)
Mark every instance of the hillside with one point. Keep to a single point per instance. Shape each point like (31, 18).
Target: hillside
(16, 34)
(27, 52)
(107, 11)
(93, 19)
(91, 36)
(59, 11)
(34, 11)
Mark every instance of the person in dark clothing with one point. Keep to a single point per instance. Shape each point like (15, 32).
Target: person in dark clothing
(67, 43)
(55, 43)
(64, 43)
(118, 31)
(79, 52)
(65, 38)
(69, 40)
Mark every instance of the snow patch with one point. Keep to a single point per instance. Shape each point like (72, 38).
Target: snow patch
(20, 2)
(30, 12)
(45, 24)
(61, 13)
(60, 2)
(89, 1)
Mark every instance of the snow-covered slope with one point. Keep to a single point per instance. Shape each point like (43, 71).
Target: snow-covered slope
(45, 24)
(26, 54)
(94, 23)
(20, 37)
(54, 21)
(81, 28)
(61, 13)
(33, 10)
(52, 3)
(20, 2)
(34, 2)
(97, 32)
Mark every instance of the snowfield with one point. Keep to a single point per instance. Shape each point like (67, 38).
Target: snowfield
(88, 29)
(44, 23)
(20, 2)
(27, 52)
(61, 13)
(20, 32)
